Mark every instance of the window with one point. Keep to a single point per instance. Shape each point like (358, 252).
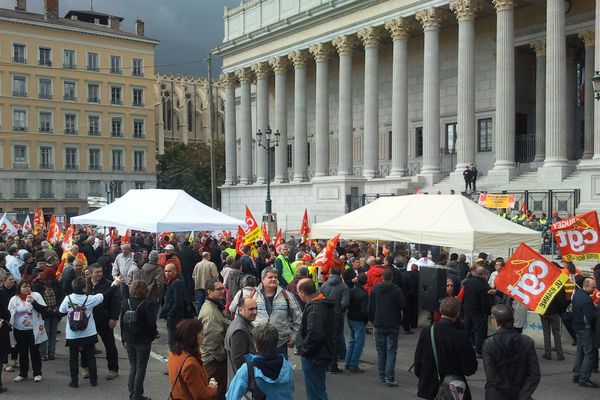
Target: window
(138, 160)
(139, 185)
(45, 57)
(117, 160)
(290, 155)
(451, 138)
(45, 88)
(92, 62)
(115, 95)
(138, 67)
(46, 189)
(69, 91)
(116, 127)
(93, 93)
(19, 120)
(71, 124)
(71, 189)
(95, 188)
(19, 53)
(20, 86)
(46, 157)
(117, 189)
(71, 158)
(138, 128)
(69, 59)
(20, 151)
(94, 160)
(21, 189)
(45, 121)
(138, 97)
(115, 65)
(484, 135)
(419, 142)
(93, 125)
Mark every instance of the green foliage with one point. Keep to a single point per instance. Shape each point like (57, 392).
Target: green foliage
(187, 167)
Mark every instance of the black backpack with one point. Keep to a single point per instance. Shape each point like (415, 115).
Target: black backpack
(130, 318)
(78, 319)
(253, 388)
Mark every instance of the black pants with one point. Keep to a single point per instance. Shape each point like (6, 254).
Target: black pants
(138, 361)
(467, 185)
(218, 370)
(2, 357)
(26, 344)
(87, 353)
(412, 309)
(108, 339)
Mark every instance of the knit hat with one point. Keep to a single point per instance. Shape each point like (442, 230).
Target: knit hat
(153, 256)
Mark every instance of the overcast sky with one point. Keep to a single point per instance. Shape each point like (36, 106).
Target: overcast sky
(187, 29)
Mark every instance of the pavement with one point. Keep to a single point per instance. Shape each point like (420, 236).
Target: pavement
(555, 383)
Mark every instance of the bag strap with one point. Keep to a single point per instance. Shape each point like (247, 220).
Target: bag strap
(252, 385)
(178, 374)
(435, 355)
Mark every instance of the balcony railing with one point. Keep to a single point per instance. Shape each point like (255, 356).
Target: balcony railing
(19, 60)
(94, 132)
(19, 129)
(114, 70)
(93, 100)
(69, 65)
(137, 73)
(117, 168)
(139, 135)
(19, 93)
(69, 97)
(46, 166)
(21, 195)
(138, 168)
(71, 166)
(45, 63)
(116, 134)
(95, 167)
(94, 68)
(116, 102)
(138, 104)
(45, 96)
(71, 195)
(71, 131)
(20, 165)
(45, 129)
(46, 195)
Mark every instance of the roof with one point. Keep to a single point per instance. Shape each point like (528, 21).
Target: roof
(68, 23)
(80, 13)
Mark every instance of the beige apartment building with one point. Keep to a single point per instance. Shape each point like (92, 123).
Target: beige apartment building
(76, 109)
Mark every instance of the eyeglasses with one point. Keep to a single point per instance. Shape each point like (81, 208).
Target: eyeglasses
(449, 285)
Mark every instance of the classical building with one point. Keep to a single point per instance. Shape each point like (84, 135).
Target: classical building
(76, 109)
(385, 96)
(183, 110)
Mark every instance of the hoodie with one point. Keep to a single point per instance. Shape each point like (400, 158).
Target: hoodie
(386, 305)
(273, 375)
(335, 289)
(374, 277)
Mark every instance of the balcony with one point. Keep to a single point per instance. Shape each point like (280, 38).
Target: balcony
(45, 96)
(116, 102)
(117, 168)
(95, 167)
(71, 167)
(69, 66)
(19, 93)
(138, 104)
(115, 70)
(138, 168)
(94, 132)
(116, 134)
(138, 136)
(46, 166)
(93, 68)
(69, 97)
(71, 195)
(46, 195)
(139, 74)
(45, 63)
(71, 131)
(19, 60)
(45, 129)
(20, 165)
(93, 100)
(21, 195)
(19, 129)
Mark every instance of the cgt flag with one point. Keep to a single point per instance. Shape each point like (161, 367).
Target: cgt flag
(252, 232)
(239, 241)
(531, 279)
(265, 234)
(304, 228)
(577, 237)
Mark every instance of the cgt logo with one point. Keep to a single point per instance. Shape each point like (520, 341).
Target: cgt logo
(530, 280)
(577, 240)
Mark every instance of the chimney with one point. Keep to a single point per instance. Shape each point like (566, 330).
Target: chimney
(74, 17)
(97, 21)
(139, 27)
(51, 7)
(21, 5)
(114, 22)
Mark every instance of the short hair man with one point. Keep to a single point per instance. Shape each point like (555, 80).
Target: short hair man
(173, 309)
(238, 339)
(203, 271)
(584, 321)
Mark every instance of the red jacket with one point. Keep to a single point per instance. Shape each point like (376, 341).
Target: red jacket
(374, 277)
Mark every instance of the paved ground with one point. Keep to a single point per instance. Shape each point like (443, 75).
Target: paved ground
(555, 381)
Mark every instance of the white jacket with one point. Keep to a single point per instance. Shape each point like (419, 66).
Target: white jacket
(78, 299)
(17, 305)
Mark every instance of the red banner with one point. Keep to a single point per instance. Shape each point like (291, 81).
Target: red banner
(304, 228)
(577, 237)
(265, 234)
(239, 241)
(252, 232)
(530, 279)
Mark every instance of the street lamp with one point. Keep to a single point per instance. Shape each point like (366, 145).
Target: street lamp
(267, 146)
(596, 85)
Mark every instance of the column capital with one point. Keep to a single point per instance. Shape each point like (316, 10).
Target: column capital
(227, 80)
(299, 58)
(398, 28)
(344, 44)
(371, 36)
(430, 18)
(588, 37)
(502, 5)
(279, 64)
(321, 51)
(465, 10)
(539, 47)
(244, 75)
(261, 70)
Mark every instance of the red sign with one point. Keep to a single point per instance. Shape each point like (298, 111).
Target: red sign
(530, 279)
(577, 237)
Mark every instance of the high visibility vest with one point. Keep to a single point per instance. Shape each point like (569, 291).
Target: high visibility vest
(287, 271)
(230, 252)
(296, 265)
(543, 221)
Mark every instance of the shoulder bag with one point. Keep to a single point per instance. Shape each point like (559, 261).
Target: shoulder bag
(177, 377)
(452, 387)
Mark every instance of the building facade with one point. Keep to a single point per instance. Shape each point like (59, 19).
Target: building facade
(387, 96)
(76, 109)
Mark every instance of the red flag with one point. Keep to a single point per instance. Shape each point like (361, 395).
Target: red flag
(265, 234)
(53, 231)
(239, 241)
(68, 239)
(38, 221)
(577, 237)
(417, 190)
(279, 237)
(530, 279)
(252, 231)
(126, 238)
(6, 225)
(523, 207)
(16, 224)
(27, 225)
(325, 257)
(305, 229)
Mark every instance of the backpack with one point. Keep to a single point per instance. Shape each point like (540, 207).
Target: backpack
(253, 388)
(130, 318)
(78, 319)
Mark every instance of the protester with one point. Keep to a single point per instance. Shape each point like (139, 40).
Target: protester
(285, 271)
(188, 258)
(121, 266)
(374, 274)
(248, 288)
(336, 290)
(358, 317)
(234, 283)
(551, 325)
(173, 308)
(203, 271)
(73, 269)
(53, 295)
(238, 338)
(169, 257)
(7, 291)
(5, 347)
(584, 322)
(152, 275)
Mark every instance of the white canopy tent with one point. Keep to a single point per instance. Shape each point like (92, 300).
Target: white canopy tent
(159, 210)
(442, 220)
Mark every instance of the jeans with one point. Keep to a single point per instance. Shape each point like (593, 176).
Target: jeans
(584, 359)
(27, 348)
(340, 341)
(124, 291)
(314, 380)
(356, 343)
(476, 329)
(138, 354)
(87, 353)
(48, 348)
(551, 324)
(201, 299)
(386, 343)
(171, 325)
(108, 339)
(283, 350)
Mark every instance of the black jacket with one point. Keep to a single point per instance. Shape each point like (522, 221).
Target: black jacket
(111, 305)
(386, 305)
(58, 293)
(188, 258)
(146, 318)
(350, 274)
(584, 315)
(174, 300)
(511, 366)
(315, 338)
(358, 309)
(475, 300)
(456, 356)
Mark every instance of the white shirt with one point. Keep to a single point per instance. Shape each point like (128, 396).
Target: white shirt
(121, 266)
(79, 299)
(12, 264)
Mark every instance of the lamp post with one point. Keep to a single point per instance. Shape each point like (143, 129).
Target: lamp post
(267, 146)
(596, 85)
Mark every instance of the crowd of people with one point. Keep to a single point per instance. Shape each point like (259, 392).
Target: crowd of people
(233, 319)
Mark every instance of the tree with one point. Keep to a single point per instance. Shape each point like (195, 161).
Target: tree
(187, 167)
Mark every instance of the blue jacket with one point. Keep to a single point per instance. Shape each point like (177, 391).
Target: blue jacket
(583, 310)
(281, 388)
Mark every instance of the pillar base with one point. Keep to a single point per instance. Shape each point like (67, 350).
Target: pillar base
(502, 173)
(400, 173)
(554, 170)
(429, 178)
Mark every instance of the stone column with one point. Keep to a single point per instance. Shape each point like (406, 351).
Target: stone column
(321, 53)
(280, 67)
(245, 77)
(430, 19)
(588, 102)
(183, 126)
(370, 38)
(160, 122)
(465, 11)
(228, 82)
(540, 100)
(299, 58)
(399, 29)
(262, 71)
(572, 132)
(345, 46)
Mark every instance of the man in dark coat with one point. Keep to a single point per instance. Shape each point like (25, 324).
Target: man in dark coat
(584, 323)
(173, 309)
(238, 339)
(511, 365)
(188, 258)
(454, 351)
(410, 290)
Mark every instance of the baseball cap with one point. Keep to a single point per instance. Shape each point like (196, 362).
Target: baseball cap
(169, 247)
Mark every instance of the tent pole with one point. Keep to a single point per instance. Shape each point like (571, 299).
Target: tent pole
(377, 249)
(156, 242)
